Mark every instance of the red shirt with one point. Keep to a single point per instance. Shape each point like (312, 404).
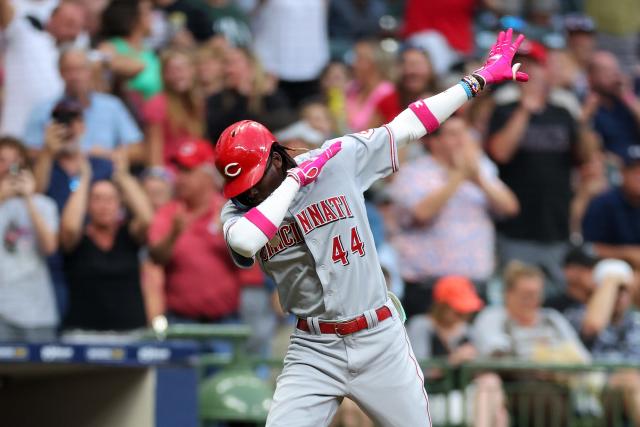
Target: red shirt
(156, 111)
(389, 107)
(452, 18)
(201, 279)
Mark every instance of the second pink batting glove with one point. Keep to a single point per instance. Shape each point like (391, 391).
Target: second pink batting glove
(308, 171)
(498, 66)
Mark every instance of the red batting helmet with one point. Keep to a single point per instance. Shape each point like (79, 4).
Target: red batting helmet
(241, 155)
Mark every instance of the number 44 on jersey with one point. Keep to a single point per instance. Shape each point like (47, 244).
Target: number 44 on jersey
(339, 254)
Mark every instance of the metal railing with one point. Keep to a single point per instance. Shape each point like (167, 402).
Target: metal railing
(551, 394)
(536, 394)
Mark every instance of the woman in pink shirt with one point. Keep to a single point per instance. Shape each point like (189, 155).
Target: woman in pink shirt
(177, 113)
(368, 88)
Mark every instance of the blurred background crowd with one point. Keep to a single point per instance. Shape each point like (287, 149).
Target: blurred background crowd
(523, 208)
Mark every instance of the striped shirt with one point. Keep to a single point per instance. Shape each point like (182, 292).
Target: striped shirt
(459, 240)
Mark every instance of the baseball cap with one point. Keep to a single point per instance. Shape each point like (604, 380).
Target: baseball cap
(631, 156)
(581, 255)
(613, 267)
(533, 50)
(579, 23)
(458, 293)
(193, 153)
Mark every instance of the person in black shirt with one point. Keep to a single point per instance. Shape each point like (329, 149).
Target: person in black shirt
(536, 144)
(205, 19)
(101, 256)
(193, 14)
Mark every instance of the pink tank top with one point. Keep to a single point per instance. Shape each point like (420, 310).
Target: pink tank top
(359, 115)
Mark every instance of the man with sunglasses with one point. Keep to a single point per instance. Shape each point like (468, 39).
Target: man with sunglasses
(304, 220)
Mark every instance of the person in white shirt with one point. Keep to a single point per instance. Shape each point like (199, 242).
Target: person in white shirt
(40, 9)
(31, 59)
(291, 40)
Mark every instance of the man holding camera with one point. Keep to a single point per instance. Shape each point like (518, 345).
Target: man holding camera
(108, 125)
(29, 233)
(58, 171)
(59, 163)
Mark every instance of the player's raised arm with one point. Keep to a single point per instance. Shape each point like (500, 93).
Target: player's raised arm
(425, 116)
(261, 182)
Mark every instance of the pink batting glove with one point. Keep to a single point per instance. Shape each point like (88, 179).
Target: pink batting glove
(308, 171)
(498, 66)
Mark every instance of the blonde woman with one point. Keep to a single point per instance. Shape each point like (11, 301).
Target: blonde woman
(210, 69)
(368, 87)
(249, 93)
(177, 113)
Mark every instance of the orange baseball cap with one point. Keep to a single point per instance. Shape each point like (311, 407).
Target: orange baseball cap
(457, 292)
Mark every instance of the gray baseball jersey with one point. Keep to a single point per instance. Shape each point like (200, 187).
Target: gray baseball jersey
(323, 257)
(324, 262)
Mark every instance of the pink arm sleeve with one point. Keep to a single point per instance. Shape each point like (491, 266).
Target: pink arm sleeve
(426, 115)
(265, 225)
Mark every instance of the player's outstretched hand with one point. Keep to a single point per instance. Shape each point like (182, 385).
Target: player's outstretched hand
(308, 171)
(498, 66)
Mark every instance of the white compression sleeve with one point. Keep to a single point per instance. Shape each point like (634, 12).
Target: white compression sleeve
(246, 236)
(426, 115)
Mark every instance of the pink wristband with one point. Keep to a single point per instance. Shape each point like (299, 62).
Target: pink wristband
(258, 219)
(425, 115)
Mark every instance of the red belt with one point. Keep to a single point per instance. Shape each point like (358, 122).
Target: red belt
(347, 327)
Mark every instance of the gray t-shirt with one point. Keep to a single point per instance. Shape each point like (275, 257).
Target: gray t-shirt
(323, 257)
(494, 332)
(26, 291)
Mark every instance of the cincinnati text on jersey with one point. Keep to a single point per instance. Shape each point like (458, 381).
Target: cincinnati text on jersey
(288, 235)
(311, 217)
(323, 212)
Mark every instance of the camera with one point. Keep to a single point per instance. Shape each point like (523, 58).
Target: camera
(14, 169)
(66, 111)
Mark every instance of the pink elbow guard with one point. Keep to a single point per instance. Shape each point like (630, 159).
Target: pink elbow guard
(426, 117)
(258, 219)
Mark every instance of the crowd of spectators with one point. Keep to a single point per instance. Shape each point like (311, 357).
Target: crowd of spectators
(514, 230)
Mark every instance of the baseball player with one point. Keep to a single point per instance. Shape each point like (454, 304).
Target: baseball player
(304, 220)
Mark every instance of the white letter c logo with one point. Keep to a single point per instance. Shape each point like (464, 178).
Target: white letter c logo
(229, 173)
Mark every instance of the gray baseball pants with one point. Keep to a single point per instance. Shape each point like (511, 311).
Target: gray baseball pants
(374, 367)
